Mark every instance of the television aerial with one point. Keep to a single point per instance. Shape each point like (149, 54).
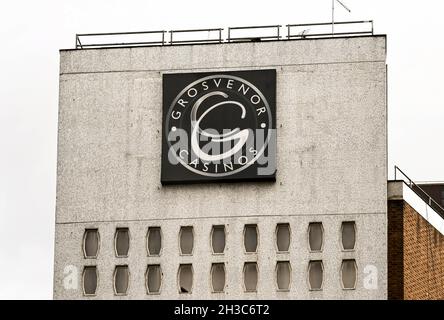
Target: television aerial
(333, 2)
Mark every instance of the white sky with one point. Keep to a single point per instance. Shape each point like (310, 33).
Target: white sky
(32, 32)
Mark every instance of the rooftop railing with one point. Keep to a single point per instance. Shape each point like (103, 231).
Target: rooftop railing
(419, 191)
(275, 29)
(210, 39)
(158, 39)
(320, 30)
(216, 35)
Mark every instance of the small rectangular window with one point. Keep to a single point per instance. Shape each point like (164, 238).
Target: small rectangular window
(91, 240)
(121, 280)
(186, 239)
(283, 237)
(185, 278)
(315, 275)
(250, 276)
(218, 277)
(218, 239)
(349, 274)
(153, 279)
(283, 275)
(122, 242)
(90, 277)
(250, 238)
(316, 236)
(348, 235)
(154, 241)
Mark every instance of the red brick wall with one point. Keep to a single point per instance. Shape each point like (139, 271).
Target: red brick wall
(423, 258)
(395, 250)
(415, 255)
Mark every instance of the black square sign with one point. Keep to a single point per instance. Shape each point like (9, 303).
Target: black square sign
(219, 127)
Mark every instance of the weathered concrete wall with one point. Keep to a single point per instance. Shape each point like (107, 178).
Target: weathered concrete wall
(331, 157)
(367, 253)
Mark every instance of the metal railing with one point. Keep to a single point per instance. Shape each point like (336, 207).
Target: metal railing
(80, 45)
(306, 32)
(219, 39)
(261, 33)
(420, 192)
(254, 38)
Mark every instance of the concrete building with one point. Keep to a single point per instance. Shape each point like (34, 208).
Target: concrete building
(331, 178)
(317, 231)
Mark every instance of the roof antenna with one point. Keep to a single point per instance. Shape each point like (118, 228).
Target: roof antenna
(333, 14)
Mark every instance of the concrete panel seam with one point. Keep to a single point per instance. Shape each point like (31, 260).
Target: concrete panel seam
(226, 68)
(225, 217)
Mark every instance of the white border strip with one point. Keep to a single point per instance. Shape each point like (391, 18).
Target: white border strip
(420, 206)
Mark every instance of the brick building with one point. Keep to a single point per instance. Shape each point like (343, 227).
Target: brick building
(415, 244)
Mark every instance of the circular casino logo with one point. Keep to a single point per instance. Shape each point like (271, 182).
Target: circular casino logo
(226, 123)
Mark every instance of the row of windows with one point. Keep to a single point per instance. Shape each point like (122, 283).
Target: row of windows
(154, 277)
(91, 239)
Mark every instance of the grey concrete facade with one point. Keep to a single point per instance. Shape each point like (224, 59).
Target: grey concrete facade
(331, 160)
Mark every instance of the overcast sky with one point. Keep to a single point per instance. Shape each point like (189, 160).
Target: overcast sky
(32, 32)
